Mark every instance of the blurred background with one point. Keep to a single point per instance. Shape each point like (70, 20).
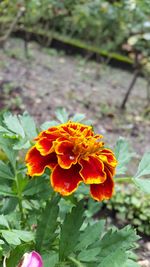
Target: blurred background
(87, 56)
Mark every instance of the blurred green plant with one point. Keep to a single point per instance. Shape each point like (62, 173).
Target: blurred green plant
(131, 207)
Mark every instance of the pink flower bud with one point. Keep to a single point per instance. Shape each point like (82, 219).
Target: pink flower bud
(32, 259)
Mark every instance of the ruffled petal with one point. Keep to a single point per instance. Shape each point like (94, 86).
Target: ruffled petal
(44, 146)
(65, 154)
(36, 163)
(105, 190)
(66, 181)
(51, 133)
(92, 170)
(107, 156)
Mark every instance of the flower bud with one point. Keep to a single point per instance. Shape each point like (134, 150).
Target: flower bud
(32, 259)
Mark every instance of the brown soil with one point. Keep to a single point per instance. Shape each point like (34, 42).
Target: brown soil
(50, 79)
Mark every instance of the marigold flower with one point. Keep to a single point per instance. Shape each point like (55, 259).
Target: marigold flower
(74, 154)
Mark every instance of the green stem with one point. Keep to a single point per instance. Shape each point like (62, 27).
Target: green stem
(19, 195)
(124, 180)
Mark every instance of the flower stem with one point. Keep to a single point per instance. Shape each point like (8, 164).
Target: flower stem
(19, 195)
(124, 180)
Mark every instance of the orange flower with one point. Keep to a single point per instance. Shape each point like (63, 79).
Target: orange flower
(74, 155)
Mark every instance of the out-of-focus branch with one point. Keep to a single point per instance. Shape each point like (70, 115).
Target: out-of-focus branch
(4, 38)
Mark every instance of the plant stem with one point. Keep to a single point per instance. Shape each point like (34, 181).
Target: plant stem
(19, 195)
(124, 180)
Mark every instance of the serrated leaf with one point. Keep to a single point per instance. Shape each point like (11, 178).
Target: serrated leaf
(28, 125)
(90, 235)
(123, 155)
(9, 205)
(3, 221)
(25, 236)
(47, 224)
(70, 231)
(144, 166)
(62, 115)
(22, 144)
(50, 259)
(5, 172)
(48, 124)
(131, 263)
(78, 117)
(142, 184)
(89, 255)
(5, 190)
(11, 237)
(116, 258)
(6, 145)
(123, 239)
(14, 237)
(12, 122)
(36, 186)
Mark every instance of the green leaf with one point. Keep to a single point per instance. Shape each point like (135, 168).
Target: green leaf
(14, 237)
(89, 255)
(25, 236)
(36, 186)
(13, 124)
(131, 263)
(50, 259)
(76, 262)
(5, 172)
(6, 145)
(116, 258)
(70, 231)
(48, 124)
(47, 224)
(11, 237)
(62, 115)
(143, 184)
(5, 190)
(78, 117)
(28, 125)
(22, 144)
(9, 205)
(123, 239)
(123, 155)
(90, 235)
(144, 166)
(3, 221)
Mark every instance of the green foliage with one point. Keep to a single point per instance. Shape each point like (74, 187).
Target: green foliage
(46, 227)
(131, 206)
(70, 231)
(96, 22)
(33, 217)
(143, 170)
(123, 155)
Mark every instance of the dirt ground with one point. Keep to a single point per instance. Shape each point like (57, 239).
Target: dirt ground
(50, 79)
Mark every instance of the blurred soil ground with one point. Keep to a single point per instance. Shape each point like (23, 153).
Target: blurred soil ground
(50, 79)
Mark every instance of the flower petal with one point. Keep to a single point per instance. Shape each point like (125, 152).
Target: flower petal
(65, 154)
(36, 163)
(44, 145)
(66, 181)
(32, 259)
(92, 170)
(107, 156)
(105, 190)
